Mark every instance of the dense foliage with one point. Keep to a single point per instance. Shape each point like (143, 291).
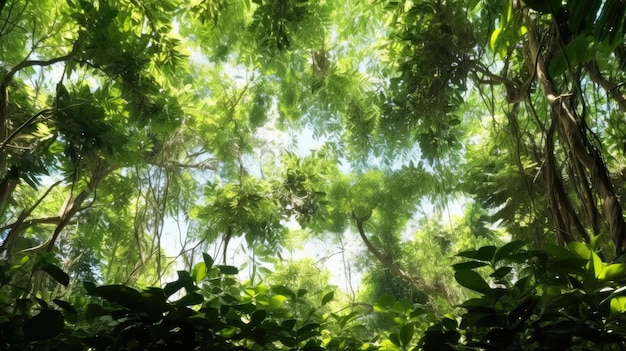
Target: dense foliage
(136, 136)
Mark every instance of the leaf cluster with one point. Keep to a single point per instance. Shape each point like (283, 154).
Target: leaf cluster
(554, 298)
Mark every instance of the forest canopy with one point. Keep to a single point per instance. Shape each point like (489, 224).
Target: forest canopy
(214, 165)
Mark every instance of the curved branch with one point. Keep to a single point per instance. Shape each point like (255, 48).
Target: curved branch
(387, 262)
(611, 90)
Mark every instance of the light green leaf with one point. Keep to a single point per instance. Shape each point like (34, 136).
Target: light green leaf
(613, 272)
(199, 272)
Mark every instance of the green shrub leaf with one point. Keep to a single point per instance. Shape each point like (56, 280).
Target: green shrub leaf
(56, 273)
(468, 265)
(485, 253)
(406, 334)
(473, 281)
(327, 298)
(507, 250)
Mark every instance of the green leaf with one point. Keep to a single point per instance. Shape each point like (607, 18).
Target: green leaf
(328, 297)
(257, 317)
(66, 306)
(92, 311)
(120, 294)
(190, 299)
(231, 270)
(384, 303)
(557, 251)
(618, 306)
(184, 281)
(473, 281)
(406, 334)
(199, 272)
(613, 272)
(508, 249)
(276, 301)
(56, 273)
(283, 290)
(395, 339)
(493, 41)
(484, 253)
(208, 261)
(469, 265)
(501, 272)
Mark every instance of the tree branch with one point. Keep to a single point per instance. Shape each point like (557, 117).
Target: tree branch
(384, 260)
(611, 90)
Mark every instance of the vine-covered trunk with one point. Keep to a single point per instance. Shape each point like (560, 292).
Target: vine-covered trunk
(581, 154)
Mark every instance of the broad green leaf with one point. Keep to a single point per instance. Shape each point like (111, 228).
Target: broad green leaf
(613, 272)
(384, 303)
(501, 272)
(583, 251)
(493, 41)
(406, 334)
(276, 301)
(199, 272)
(283, 290)
(327, 298)
(257, 317)
(66, 306)
(231, 270)
(618, 306)
(395, 339)
(56, 273)
(192, 298)
(484, 253)
(402, 306)
(208, 261)
(473, 281)
(557, 251)
(507, 249)
(469, 265)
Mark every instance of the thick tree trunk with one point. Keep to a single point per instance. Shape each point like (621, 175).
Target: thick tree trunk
(572, 130)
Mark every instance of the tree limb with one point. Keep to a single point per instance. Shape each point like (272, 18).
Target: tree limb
(384, 260)
(611, 90)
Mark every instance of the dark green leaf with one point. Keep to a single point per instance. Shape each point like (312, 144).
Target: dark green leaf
(501, 272)
(56, 273)
(395, 339)
(228, 269)
(328, 297)
(208, 261)
(508, 249)
(257, 317)
(66, 306)
(190, 299)
(469, 265)
(406, 334)
(45, 325)
(120, 294)
(485, 253)
(473, 281)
